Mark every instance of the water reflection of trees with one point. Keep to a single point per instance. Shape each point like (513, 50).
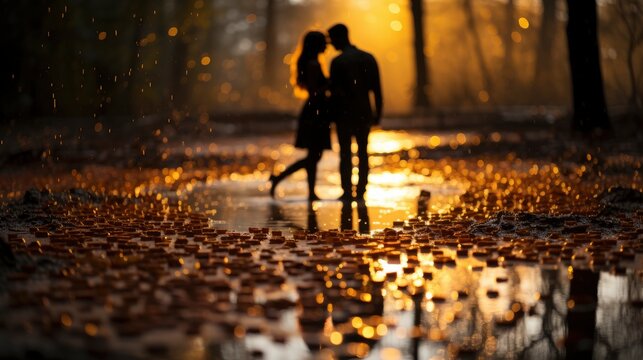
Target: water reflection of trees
(562, 314)
(619, 313)
(550, 314)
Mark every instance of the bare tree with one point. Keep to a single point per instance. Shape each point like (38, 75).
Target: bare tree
(630, 12)
(477, 46)
(139, 13)
(590, 108)
(546, 37)
(180, 49)
(508, 65)
(421, 98)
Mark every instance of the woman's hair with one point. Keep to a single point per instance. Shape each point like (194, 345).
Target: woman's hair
(314, 43)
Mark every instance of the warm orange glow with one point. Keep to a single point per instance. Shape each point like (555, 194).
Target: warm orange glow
(91, 329)
(172, 31)
(287, 59)
(336, 338)
(516, 37)
(434, 141)
(483, 95)
(357, 322)
(368, 332)
(66, 320)
(381, 329)
(381, 142)
(391, 353)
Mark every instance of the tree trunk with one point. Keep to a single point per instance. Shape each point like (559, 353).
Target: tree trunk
(590, 108)
(138, 10)
(24, 69)
(165, 53)
(581, 316)
(270, 54)
(634, 103)
(477, 46)
(35, 73)
(178, 83)
(630, 12)
(508, 65)
(543, 65)
(421, 98)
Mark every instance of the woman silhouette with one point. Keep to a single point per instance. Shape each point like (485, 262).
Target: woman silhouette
(313, 130)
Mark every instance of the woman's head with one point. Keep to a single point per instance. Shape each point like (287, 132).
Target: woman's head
(314, 43)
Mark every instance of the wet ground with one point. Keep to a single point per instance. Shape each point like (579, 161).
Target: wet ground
(241, 201)
(469, 245)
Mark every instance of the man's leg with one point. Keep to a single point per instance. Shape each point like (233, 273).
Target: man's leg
(362, 215)
(345, 165)
(361, 136)
(347, 216)
(314, 155)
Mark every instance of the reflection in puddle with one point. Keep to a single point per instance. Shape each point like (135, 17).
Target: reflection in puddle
(393, 193)
(243, 203)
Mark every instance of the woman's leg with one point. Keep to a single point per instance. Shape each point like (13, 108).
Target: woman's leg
(314, 155)
(300, 164)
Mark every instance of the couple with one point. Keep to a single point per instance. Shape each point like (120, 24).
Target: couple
(353, 76)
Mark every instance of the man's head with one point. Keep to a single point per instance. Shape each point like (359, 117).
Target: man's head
(338, 34)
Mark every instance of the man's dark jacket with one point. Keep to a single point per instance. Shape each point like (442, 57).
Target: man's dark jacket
(353, 74)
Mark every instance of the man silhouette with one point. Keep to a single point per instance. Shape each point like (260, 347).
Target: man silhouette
(353, 77)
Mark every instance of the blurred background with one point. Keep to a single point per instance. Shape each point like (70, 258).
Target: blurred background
(207, 58)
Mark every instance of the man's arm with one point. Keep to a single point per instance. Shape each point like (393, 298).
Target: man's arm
(333, 78)
(335, 91)
(376, 88)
